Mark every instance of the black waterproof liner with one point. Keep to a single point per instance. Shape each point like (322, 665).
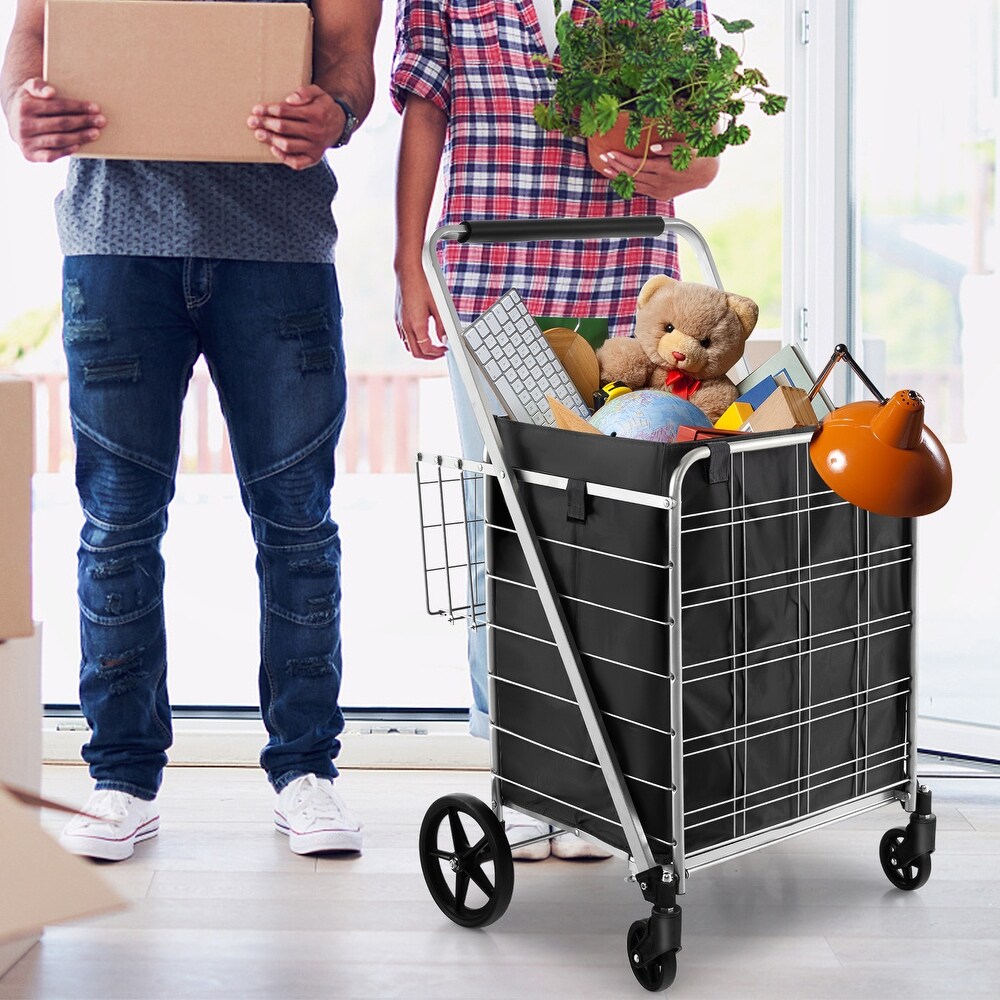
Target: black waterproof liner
(796, 639)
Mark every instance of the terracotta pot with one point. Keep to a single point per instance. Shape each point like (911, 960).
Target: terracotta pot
(615, 139)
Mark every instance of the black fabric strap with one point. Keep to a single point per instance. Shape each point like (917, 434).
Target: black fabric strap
(576, 500)
(718, 462)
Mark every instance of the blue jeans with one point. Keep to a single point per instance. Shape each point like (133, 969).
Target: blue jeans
(271, 336)
(472, 443)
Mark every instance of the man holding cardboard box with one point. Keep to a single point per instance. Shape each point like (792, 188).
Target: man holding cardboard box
(167, 259)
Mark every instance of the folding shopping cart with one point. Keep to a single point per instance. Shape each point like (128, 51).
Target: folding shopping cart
(695, 650)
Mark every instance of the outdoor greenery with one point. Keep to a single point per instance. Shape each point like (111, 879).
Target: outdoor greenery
(917, 317)
(746, 247)
(26, 332)
(659, 69)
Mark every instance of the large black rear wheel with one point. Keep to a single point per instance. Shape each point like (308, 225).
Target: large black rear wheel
(466, 860)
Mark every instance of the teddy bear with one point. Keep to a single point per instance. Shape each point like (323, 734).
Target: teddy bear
(687, 337)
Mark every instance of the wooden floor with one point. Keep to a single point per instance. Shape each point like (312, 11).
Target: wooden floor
(221, 908)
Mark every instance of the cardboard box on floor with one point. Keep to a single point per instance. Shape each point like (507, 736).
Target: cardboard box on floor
(41, 883)
(177, 79)
(17, 463)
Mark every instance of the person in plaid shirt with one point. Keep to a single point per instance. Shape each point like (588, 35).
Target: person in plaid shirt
(465, 80)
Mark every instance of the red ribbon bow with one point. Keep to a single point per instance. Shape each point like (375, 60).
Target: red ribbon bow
(680, 383)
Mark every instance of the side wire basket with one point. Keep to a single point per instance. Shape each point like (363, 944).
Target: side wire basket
(450, 495)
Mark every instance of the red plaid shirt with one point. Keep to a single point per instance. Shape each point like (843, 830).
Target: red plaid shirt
(474, 60)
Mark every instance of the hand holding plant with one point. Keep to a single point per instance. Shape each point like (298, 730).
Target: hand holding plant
(658, 71)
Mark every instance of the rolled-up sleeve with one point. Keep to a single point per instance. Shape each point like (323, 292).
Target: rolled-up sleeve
(420, 64)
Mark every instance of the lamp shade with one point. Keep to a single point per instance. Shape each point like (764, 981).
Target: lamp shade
(880, 456)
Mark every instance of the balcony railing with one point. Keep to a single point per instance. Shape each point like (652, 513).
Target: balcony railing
(380, 432)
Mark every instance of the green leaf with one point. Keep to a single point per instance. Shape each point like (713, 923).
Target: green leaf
(564, 25)
(680, 158)
(773, 104)
(736, 135)
(729, 58)
(545, 116)
(734, 27)
(598, 117)
(623, 185)
(606, 109)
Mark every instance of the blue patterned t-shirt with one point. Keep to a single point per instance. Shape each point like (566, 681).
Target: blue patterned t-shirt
(237, 211)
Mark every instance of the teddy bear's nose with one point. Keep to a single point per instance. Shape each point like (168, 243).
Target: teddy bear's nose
(679, 357)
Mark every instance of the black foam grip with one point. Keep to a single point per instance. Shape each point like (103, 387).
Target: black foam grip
(526, 230)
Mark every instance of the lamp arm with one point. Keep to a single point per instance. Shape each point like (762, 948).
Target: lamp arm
(841, 353)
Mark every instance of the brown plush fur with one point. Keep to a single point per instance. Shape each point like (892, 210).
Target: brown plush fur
(709, 329)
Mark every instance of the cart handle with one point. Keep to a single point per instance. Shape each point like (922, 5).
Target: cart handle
(525, 230)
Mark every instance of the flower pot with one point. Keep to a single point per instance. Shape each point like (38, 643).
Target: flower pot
(615, 140)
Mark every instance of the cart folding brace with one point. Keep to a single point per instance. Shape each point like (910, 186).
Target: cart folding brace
(695, 650)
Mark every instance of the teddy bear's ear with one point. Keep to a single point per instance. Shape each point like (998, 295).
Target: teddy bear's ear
(648, 289)
(746, 312)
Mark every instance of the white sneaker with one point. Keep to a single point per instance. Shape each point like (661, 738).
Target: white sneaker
(570, 847)
(518, 828)
(314, 818)
(122, 821)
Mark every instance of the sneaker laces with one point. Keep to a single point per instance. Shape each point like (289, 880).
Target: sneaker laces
(108, 805)
(316, 799)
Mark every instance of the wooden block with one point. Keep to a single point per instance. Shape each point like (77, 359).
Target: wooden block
(785, 408)
(577, 357)
(735, 417)
(568, 420)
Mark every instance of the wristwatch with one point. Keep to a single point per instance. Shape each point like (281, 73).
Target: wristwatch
(351, 122)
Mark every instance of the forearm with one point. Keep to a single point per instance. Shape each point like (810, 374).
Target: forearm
(350, 79)
(420, 147)
(343, 47)
(23, 58)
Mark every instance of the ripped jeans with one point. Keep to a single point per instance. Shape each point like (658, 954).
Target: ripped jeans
(271, 336)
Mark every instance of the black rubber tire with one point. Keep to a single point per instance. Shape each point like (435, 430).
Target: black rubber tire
(907, 877)
(659, 973)
(465, 861)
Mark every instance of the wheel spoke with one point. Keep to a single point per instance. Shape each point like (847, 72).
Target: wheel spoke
(458, 837)
(479, 877)
(478, 849)
(461, 890)
(436, 852)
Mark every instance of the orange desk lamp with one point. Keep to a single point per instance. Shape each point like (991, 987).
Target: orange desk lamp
(877, 454)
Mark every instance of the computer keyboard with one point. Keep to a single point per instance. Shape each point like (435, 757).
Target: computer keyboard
(516, 359)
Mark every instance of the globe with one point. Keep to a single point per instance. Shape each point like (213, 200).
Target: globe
(648, 415)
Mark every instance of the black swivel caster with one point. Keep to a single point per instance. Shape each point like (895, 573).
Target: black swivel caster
(653, 943)
(657, 973)
(906, 854)
(470, 853)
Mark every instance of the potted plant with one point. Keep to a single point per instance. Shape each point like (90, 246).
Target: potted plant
(635, 75)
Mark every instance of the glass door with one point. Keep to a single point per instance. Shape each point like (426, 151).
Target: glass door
(926, 111)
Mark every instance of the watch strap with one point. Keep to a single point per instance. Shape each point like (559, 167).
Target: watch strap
(350, 123)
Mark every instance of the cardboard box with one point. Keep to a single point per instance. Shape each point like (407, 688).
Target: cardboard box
(20, 741)
(17, 463)
(786, 408)
(41, 883)
(177, 79)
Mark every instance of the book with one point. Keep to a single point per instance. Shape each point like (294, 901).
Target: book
(756, 395)
(791, 362)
